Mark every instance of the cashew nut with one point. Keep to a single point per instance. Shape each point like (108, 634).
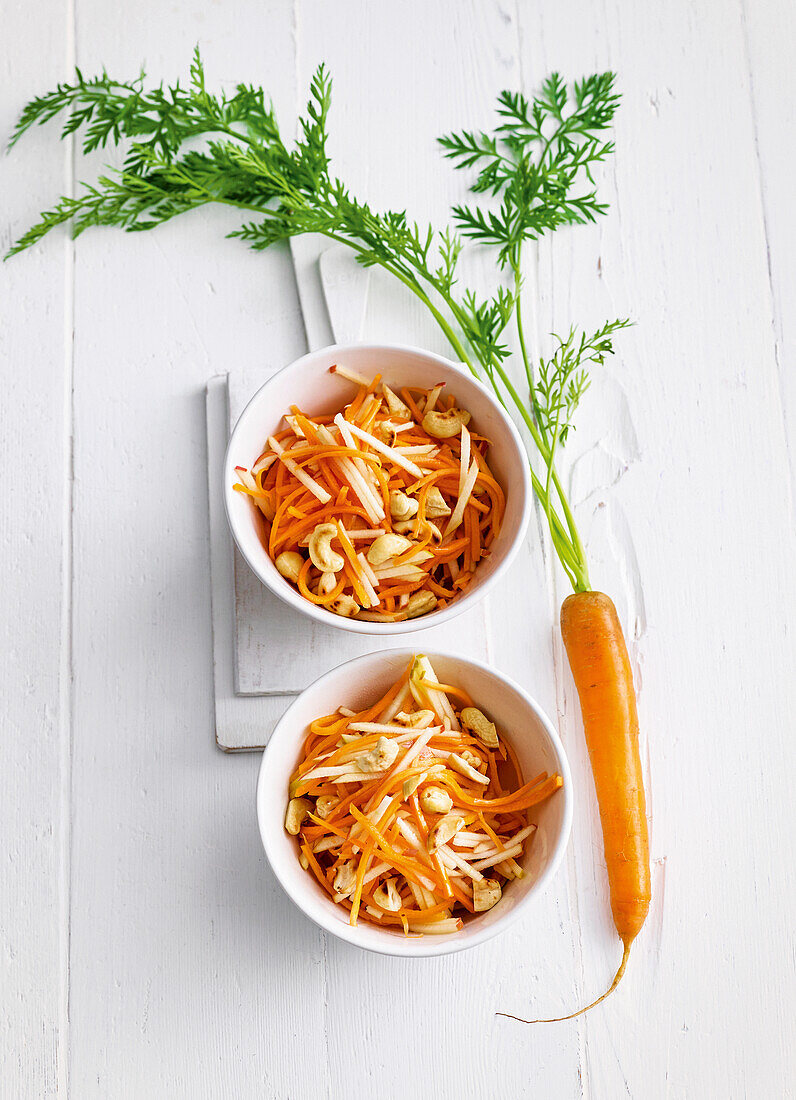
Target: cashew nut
(486, 893)
(381, 756)
(394, 403)
(305, 863)
(289, 564)
(478, 724)
(406, 527)
(445, 425)
(471, 758)
(345, 879)
(444, 830)
(297, 810)
(387, 896)
(402, 507)
(321, 554)
(327, 583)
(420, 603)
(385, 547)
(435, 800)
(419, 719)
(325, 804)
(435, 504)
(344, 605)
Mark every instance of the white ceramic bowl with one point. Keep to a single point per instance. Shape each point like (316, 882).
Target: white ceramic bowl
(357, 684)
(309, 384)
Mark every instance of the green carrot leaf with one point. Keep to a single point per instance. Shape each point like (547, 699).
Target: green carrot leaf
(185, 147)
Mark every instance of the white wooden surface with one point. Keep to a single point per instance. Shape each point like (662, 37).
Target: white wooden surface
(145, 949)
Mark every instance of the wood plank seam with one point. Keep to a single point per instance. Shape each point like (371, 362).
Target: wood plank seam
(66, 669)
(776, 321)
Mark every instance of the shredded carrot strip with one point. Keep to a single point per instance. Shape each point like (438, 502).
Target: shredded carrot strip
(364, 863)
(460, 693)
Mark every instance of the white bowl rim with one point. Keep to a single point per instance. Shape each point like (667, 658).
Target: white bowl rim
(443, 945)
(294, 599)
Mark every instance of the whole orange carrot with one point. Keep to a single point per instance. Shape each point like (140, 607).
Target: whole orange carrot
(600, 666)
(601, 669)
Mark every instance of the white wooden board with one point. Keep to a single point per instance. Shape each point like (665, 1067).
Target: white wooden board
(243, 723)
(145, 948)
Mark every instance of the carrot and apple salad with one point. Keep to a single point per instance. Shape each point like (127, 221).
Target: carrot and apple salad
(383, 511)
(412, 813)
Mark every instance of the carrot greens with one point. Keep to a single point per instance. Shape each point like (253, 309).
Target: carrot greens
(187, 147)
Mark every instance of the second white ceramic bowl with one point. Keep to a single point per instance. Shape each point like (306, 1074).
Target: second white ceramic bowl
(359, 683)
(309, 384)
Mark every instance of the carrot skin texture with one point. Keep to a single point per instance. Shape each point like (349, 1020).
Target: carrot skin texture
(601, 669)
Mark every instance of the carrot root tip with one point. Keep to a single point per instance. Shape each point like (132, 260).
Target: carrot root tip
(559, 1019)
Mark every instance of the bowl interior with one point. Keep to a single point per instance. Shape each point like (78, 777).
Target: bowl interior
(309, 384)
(357, 684)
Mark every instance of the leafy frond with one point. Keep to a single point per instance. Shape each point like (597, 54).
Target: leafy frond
(563, 379)
(535, 161)
(185, 147)
(312, 146)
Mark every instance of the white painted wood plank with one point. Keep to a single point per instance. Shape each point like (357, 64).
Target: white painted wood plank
(687, 523)
(765, 28)
(182, 943)
(35, 430)
(186, 957)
